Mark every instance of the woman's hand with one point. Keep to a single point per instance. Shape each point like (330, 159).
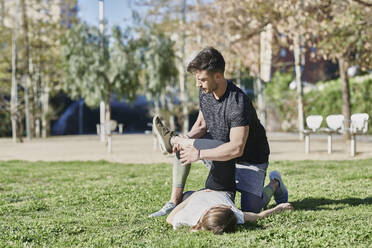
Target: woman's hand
(284, 207)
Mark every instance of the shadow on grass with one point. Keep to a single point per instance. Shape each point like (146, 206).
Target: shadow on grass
(250, 226)
(318, 203)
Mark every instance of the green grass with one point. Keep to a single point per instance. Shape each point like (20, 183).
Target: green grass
(101, 204)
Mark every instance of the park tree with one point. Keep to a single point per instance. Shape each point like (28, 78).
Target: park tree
(98, 65)
(170, 18)
(37, 57)
(159, 72)
(295, 25)
(344, 35)
(5, 77)
(243, 31)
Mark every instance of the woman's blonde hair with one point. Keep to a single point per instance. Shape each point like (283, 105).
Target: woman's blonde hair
(217, 219)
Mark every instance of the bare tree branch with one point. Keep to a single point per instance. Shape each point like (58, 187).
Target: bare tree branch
(364, 3)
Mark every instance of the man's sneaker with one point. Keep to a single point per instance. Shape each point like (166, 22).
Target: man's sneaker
(281, 195)
(168, 207)
(164, 135)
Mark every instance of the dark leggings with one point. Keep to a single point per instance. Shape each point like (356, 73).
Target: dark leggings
(249, 202)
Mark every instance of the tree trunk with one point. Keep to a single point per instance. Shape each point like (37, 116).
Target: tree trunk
(300, 106)
(102, 117)
(45, 110)
(2, 12)
(156, 107)
(107, 104)
(31, 96)
(163, 101)
(26, 75)
(172, 117)
(14, 90)
(27, 107)
(265, 70)
(102, 104)
(346, 106)
(182, 74)
(184, 101)
(260, 91)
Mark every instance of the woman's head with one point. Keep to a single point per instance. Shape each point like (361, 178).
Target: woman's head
(217, 219)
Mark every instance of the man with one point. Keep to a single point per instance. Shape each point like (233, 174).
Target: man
(239, 160)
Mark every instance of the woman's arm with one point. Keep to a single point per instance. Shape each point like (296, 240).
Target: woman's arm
(251, 217)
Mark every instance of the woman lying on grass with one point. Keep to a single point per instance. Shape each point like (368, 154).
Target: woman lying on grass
(215, 211)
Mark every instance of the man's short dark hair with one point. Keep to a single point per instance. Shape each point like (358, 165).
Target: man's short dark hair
(208, 59)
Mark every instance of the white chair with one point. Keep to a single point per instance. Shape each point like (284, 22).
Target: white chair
(109, 127)
(335, 124)
(313, 122)
(358, 125)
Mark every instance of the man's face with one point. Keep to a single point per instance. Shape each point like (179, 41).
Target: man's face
(206, 81)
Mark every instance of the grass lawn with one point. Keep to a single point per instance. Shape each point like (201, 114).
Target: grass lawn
(101, 204)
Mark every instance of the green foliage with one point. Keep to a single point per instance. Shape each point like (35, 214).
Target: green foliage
(94, 68)
(279, 95)
(329, 100)
(5, 127)
(325, 101)
(5, 60)
(101, 204)
(158, 62)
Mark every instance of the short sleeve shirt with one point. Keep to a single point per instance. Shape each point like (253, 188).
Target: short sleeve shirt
(235, 109)
(199, 204)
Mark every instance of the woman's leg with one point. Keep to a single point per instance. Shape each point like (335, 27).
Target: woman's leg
(252, 203)
(180, 172)
(200, 144)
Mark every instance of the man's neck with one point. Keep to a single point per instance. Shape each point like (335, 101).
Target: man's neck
(220, 91)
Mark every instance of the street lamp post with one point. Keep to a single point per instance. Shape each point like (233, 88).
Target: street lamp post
(102, 104)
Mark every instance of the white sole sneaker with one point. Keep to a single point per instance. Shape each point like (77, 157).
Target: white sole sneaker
(161, 141)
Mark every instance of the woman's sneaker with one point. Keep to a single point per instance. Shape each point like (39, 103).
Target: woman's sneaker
(163, 134)
(166, 209)
(281, 194)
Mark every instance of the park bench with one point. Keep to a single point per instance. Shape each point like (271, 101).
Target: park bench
(335, 125)
(313, 122)
(109, 127)
(119, 125)
(358, 126)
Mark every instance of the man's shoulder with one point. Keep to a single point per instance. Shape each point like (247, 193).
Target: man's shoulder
(237, 95)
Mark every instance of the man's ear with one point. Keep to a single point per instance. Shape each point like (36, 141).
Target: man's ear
(218, 76)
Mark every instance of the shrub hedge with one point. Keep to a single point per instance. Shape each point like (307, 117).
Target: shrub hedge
(324, 101)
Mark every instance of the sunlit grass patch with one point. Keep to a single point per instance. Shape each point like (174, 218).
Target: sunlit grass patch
(102, 204)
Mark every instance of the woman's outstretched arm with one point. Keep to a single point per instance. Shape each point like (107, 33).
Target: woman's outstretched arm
(251, 217)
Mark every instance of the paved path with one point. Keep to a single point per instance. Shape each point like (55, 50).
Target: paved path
(138, 148)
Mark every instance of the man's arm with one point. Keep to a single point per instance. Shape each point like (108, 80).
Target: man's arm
(199, 129)
(232, 149)
(251, 217)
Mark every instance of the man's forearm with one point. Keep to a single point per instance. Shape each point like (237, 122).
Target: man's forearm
(199, 129)
(223, 152)
(196, 132)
